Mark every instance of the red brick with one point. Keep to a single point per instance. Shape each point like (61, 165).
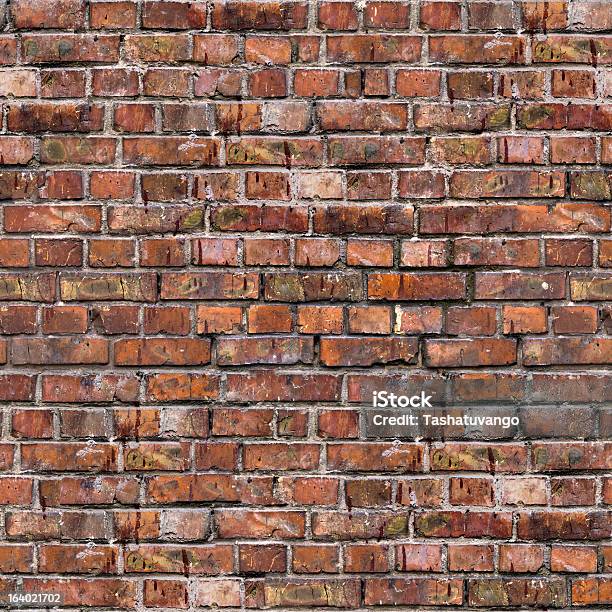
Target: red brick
(572, 150)
(418, 557)
(116, 319)
(526, 84)
(373, 48)
(574, 319)
(316, 252)
(380, 219)
(114, 81)
(413, 591)
(172, 320)
(473, 321)
(174, 15)
(273, 350)
(269, 83)
(319, 319)
(14, 253)
(43, 218)
(173, 82)
(524, 491)
(417, 83)
(524, 320)
(470, 85)
(368, 493)
(268, 50)
(373, 350)
(32, 423)
(134, 118)
(323, 184)
(362, 116)
(407, 286)
(219, 319)
(374, 456)
(165, 593)
(471, 491)
(18, 319)
(235, 15)
(64, 320)
(520, 558)
(591, 591)
(106, 592)
(377, 253)
(366, 558)
(376, 82)
(275, 151)
(568, 252)
(573, 559)
(470, 558)
(423, 254)
(368, 185)
(61, 351)
(358, 150)
(386, 15)
(440, 16)
(261, 213)
(369, 319)
(516, 591)
(314, 559)
(18, 83)
(32, 14)
(520, 150)
(458, 49)
(544, 15)
(168, 150)
(261, 524)
(162, 252)
(418, 320)
(16, 149)
(216, 455)
(262, 558)
(152, 351)
(338, 424)
(111, 185)
(267, 185)
(490, 16)
(218, 81)
(113, 15)
(267, 318)
(77, 150)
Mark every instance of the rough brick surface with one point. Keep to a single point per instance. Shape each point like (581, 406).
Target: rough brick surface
(226, 223)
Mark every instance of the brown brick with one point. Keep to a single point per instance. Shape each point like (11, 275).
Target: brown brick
(260, 213)
(520, 558)
(314, 559)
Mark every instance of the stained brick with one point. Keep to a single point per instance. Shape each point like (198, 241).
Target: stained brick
(260, 213)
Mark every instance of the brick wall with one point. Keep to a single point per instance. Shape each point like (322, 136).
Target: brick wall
(225, 225)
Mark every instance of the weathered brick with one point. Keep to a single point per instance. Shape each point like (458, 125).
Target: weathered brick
(460, 117)
(263, 213)
(52, 48)
(459, 49)
(520, 558)
(406, 286)
(373, 48)
(413, 591)
(517, 592)
(31, 14)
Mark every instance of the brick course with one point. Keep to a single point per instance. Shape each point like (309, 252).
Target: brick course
(227, 223)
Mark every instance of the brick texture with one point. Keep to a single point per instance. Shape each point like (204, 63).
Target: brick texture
(225, 224)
